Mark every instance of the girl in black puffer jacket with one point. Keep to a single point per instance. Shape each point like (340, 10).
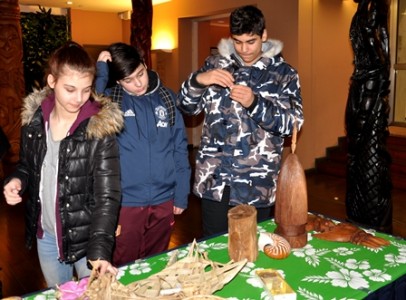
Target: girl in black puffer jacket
(69, 165)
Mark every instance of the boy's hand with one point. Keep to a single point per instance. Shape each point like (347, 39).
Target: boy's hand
(104, 56)
(216, 76)
(177, 210)
(242, 94)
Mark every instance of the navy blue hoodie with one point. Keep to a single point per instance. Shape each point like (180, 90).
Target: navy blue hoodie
(154, 157)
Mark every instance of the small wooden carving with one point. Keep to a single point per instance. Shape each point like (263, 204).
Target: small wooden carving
(291, 200)
(242, 233)
(343, 232)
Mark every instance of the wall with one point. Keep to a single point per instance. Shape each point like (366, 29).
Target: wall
(96, 28)
(399, 58)
(325, 66)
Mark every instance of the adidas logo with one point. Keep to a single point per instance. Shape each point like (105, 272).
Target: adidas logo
(129, 113)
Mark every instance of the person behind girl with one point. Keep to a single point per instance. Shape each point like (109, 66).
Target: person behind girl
(155, 170)
(69, 163)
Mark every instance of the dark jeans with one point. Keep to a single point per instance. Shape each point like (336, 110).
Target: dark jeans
(214, 214)
(144, 231)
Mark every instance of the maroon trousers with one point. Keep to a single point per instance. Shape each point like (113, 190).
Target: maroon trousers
(143, 231)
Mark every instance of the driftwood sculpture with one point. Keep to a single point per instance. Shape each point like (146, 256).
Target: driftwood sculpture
(368, 198)
(291, 200)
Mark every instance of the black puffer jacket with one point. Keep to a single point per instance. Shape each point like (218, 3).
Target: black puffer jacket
(88, 179)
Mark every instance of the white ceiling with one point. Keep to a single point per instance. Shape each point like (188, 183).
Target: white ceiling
(89, 5)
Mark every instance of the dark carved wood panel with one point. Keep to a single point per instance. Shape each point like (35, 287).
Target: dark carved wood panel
(11, 74)
(141, 27)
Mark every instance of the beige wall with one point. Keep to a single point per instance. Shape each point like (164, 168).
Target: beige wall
(325, 67)
(316, 42)
(96, 28)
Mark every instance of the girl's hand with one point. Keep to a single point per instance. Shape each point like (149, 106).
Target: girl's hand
(11, 191)
(104, 266)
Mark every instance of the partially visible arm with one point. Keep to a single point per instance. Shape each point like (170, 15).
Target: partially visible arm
(278, 105)
(18, 180)
(183, 172)
(107, 195)
(102, 76)
(190, 97)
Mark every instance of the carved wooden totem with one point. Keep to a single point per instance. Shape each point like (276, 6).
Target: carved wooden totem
(141, 27)
(11, 75)
(368, 195)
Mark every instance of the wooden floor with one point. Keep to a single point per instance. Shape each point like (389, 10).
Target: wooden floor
(20, 273)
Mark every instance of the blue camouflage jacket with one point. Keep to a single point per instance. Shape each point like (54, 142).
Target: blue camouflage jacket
(242, 147)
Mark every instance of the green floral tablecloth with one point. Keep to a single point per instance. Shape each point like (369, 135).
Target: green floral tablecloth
(320, 270)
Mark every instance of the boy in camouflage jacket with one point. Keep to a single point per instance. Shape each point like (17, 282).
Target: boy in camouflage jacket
(251, 100)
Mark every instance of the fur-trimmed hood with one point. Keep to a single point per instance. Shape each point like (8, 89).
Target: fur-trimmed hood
(107, 121)
(270, 48)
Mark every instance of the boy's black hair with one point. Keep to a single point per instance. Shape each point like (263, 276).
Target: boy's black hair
(247, 20)
(125, 60)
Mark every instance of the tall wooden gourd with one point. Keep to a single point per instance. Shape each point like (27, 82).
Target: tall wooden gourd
(291, 199)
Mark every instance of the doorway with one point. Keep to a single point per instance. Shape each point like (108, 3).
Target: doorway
(198, 38)
(398, 44)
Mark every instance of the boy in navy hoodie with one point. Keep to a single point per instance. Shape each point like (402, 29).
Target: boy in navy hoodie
(155, 170)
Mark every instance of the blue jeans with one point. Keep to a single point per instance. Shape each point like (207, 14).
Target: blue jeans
(56, 272)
